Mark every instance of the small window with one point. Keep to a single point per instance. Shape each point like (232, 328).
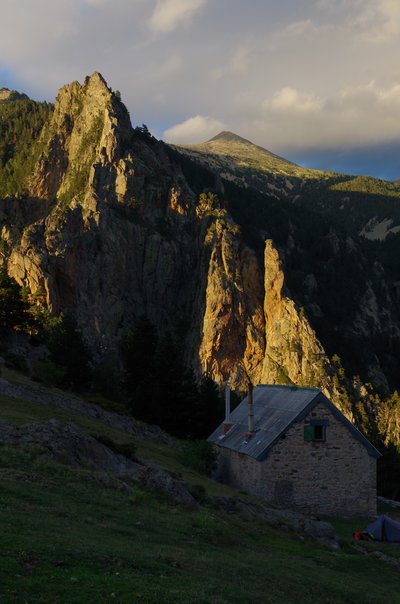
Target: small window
(315, 433)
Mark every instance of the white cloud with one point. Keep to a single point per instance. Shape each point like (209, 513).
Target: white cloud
(379, 21)
(353, 116)
(370, 22)
(170, 14)
(290, 99)
(193, 130)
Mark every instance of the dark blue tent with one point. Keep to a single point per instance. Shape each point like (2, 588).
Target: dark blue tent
(385, 529)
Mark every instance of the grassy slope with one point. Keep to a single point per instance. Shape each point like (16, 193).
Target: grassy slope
(67, 538)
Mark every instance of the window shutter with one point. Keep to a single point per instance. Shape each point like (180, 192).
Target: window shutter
(309, 433)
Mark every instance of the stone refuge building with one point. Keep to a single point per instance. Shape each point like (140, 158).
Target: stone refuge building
(302, 453)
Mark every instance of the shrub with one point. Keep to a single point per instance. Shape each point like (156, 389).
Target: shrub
(16, 361)
(198, 492)
(13, 308)
(48, 372)
(199, 455)
(107, 378)
(126, 449)
(68, 349)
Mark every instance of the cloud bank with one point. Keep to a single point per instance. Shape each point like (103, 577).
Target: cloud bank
(169, 14)
(193, 129)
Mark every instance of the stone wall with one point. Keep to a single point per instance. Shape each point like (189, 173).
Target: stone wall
(336, 477)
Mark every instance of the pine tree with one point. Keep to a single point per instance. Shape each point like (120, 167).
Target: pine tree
(14, 313)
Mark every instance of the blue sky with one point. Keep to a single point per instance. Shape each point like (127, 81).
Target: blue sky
(317, 81)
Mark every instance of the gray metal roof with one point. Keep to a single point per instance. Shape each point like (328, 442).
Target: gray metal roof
(276, 408)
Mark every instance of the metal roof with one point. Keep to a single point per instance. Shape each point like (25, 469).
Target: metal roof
(276, 408)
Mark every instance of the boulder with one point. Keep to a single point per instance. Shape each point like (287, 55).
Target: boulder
(320, 531)
(66, 442)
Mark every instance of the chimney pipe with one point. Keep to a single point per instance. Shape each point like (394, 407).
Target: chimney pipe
(227, 403)
(250, 410)
(227, 425)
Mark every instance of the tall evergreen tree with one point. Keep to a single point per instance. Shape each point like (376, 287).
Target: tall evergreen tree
(162, 390)
(13, 308)
(138, 349)
(68, 349)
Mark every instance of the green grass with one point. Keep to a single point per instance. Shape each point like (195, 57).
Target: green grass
(20, 412)
(67, 538)
(345, 529)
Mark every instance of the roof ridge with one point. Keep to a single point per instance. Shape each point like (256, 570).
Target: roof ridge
(288, 387)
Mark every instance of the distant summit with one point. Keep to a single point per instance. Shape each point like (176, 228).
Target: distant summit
(227, 141)
(11, 95)
(239, 160)
(229, 137)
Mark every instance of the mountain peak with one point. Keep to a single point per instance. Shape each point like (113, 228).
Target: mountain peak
(96, 79)
(229, 137)
(226, 141)
(11, 95)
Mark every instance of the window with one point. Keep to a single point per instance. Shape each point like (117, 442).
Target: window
(316, 432)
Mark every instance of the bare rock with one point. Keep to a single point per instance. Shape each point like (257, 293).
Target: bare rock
(42, 396)
(233, 322)
(293, 351)
(320, 531)
(66, 442)
(157, 478)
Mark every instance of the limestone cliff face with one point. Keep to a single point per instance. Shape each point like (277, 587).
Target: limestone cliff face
(253, 329)
(232, 339)
(293, 353)
(121, 234)
(88, 131)
(111, 244)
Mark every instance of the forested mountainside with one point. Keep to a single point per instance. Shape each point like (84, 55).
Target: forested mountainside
(263, 270)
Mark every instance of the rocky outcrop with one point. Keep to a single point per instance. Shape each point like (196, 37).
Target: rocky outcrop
(113, 245)
(293, 352)
(66, 443)
(320, 531)
(34, 393)
(232, 340)
(11, 95)
(121, 238)
(88, 133)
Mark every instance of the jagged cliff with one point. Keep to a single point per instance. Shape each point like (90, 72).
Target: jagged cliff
(101, 249)
(118, 236)
(114, 225)
(293, 352)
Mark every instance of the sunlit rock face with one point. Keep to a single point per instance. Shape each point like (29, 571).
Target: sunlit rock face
(293, 350)
(99, 249)
(233, 329)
